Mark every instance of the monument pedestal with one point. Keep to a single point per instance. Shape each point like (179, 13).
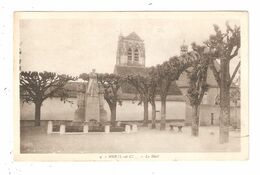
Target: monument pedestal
(92, 109)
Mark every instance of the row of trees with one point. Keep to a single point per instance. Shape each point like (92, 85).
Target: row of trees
(223, 46)
(152, 81)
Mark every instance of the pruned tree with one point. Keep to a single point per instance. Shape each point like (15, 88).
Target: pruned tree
(35, 87)
(224, 47)
(145, 84)
(197, 75)
(141, 83)
(111, 84)
(168, 72)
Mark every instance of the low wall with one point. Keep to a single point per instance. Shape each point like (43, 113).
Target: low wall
(54, 109)
(209, 115)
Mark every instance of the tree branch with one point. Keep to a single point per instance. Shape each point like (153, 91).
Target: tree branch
(235, 53)
(234, 73)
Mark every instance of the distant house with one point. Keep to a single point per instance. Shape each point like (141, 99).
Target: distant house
(209, 108)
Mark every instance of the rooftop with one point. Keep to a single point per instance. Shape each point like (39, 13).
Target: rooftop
(133, 36)
(126, 88)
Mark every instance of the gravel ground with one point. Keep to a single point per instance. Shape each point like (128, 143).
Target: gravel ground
(35, 140)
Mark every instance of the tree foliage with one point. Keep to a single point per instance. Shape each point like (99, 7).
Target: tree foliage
(224, 46)
(145, 84)
(35, 87)
(170, 71)
(111, 84)
(198, 77)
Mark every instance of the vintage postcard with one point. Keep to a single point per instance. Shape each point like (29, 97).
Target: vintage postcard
(126, 86)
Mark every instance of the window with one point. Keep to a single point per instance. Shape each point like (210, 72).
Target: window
(136, 55)
(129, 54)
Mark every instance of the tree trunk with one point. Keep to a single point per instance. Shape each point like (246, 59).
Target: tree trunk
(153, 115)
(145, 121)
(224, 119)
(37, 114)
(163, 114)
(195, 121)
(224, 116)
(113, 114)
(236, 117)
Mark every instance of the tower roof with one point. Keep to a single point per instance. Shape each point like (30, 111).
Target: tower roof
(133, 36)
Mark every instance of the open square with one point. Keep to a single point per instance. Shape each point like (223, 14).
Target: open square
(36, 140)
(135, 83)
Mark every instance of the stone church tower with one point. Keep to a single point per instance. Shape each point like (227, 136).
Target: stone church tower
(130, 51)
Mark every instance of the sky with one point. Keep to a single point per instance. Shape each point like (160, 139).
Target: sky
(74, 45)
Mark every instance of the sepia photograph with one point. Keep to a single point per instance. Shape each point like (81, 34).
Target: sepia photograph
(96, 86)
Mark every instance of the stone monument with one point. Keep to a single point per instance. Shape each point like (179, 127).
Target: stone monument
(92, 108)
(90, 101)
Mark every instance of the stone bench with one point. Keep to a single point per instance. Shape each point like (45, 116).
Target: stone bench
(178, 125)
(128, 127)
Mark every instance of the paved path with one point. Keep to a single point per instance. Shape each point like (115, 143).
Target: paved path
(35, 140)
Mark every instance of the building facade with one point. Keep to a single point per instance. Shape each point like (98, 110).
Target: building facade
(130, 51)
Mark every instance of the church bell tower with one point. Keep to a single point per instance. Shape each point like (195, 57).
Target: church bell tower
(183, 49)
(130, 51)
